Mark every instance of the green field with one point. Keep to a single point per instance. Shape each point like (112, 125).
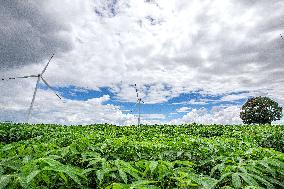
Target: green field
(105, 156)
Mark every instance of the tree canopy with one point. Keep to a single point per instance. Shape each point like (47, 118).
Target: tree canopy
(260, 110)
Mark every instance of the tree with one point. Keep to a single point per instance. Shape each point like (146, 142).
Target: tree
(260, 110)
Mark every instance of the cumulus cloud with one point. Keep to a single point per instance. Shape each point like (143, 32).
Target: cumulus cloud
(106, 8)
(218, 115)
(49, 109)
(197, 102)
(81, 112)
(153, 116)
(235, 97)
(183, 109)
(166, 47)
(29, 33)
(218, 47)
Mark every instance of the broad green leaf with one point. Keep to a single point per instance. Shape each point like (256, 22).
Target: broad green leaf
(100, 175)
(253, 187)
(263, 181)
(128, 169)
(4, 181)
(276, 163)
(143, 184)
(46, 178)
(123, 175)
(153, 166)
(50, 162)
(87, 171)
(64, 151)
(236, 180)
(118, 186)
(74, 177)
(61, 174)
(32, 175)
(1, 170)
(220, 180)
(54, 157)
(185, 163)
(248, 179)
(274, 181)
(267, 167)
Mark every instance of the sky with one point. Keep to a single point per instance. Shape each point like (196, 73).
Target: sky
(192, 61)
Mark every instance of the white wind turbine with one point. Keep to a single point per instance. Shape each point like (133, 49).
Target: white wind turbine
(138, 103)
(39, 77)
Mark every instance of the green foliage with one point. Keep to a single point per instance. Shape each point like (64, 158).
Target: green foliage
(105, 156)
(260, 110)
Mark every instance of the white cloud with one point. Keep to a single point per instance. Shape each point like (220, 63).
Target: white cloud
(228, 115)
(49, 109)
(235, 97)
(158, 54)
(215, 46)
(153, 116)
(183, 109)
(279, 122)
(198, 102)
(79, 112)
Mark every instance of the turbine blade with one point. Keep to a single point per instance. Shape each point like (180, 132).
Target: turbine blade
(21, 77)
(46, 65)
(28, 76)
(51, 88)
(33, 100)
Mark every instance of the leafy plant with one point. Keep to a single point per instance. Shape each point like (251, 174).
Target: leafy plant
(159, 156)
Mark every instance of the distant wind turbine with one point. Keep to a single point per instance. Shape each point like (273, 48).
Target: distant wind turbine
(39, 77)
(138, 103)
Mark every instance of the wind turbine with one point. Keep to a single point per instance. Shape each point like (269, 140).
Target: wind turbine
(39, 77)
(138, 103)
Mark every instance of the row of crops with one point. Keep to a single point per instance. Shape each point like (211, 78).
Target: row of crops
(106, 156)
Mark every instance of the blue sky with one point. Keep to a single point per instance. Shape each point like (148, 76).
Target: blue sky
(169, 109)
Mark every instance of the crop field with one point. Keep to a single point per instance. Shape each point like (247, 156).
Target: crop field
(160, 156)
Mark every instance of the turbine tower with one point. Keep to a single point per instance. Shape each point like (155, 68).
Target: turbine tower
(138, 103)
(39, 77)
